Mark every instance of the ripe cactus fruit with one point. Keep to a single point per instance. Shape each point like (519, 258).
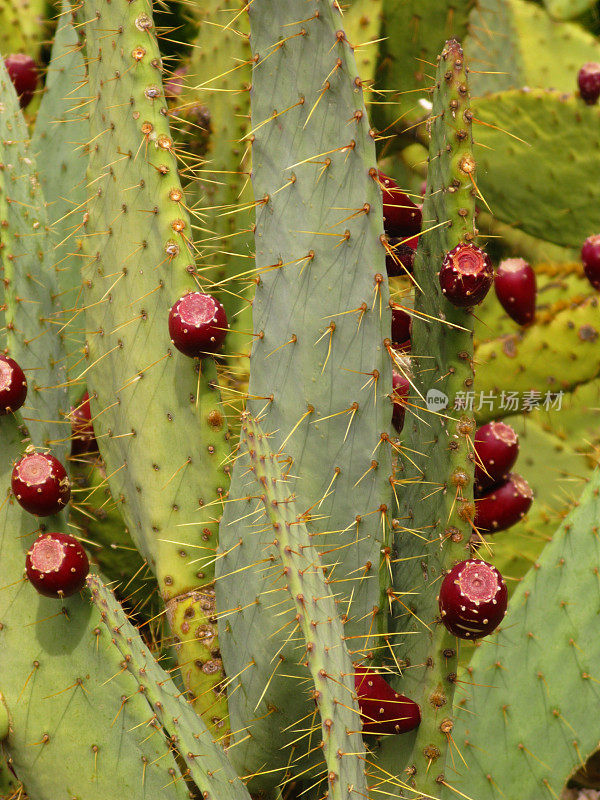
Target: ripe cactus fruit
(13, 385)
(57, 565)
(40, 484)
(382, 710)
(401, 323)
(497, 448)
(473, 599)
(400, 389)
(401, 217)
(401, 259)
(590, 255)
(83, 438)
(466, 275)
(197, 324)
(588, 80)
(24, 75)
(503, 506)
(516, 289)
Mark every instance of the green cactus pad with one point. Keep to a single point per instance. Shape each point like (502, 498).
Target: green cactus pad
(529, 688)
(531, 139)
(12, 36)
(319, 367)
(362, 19)
(157, 413)
(317, 617)
(61, 131)
(535, 367)
(560, 286)
(99, 522)
(216, 91)
(577, 420)
(30, 284)
(414, 32)
(435, 477)
(556, 472)
(23, 26)
(207, 765)
(9, 785)
(79, 727)
(513, 43)
(568, 9)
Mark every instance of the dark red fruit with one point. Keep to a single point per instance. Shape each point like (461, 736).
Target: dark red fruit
(516, 290)
(497, 448)
(197, 324)
(13, 385)
(174, 85)
(382, 710)
(401, 326)
(466, 275)
(83, 439)
(588, 80)
(401, 217)
(400, 389)
(472, 599)
(503, 506)
(24, 75)
(57, 565)
(590, 255)
(401, 259)
(40, 484)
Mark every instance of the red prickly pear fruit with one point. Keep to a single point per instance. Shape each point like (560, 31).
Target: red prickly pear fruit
(497, 448)
(590, 255)
(401, 327)
(472, 599)
(588, 80)
(401, 259)
(13, 385)
(503, 506)
(401, 217)
(197, 324)
(23, 73)
(83, 438)
(466, 275)
(382, 710)
(57, 565)
(516, 289)
(400, 389)
(40, 484)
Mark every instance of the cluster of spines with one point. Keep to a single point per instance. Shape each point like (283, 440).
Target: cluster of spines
(209, 768)
(317, 617)
(55, 659)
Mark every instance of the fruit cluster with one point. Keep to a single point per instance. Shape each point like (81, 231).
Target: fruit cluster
(57, 564)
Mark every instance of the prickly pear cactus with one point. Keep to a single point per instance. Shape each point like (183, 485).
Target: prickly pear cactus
(269, 521)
